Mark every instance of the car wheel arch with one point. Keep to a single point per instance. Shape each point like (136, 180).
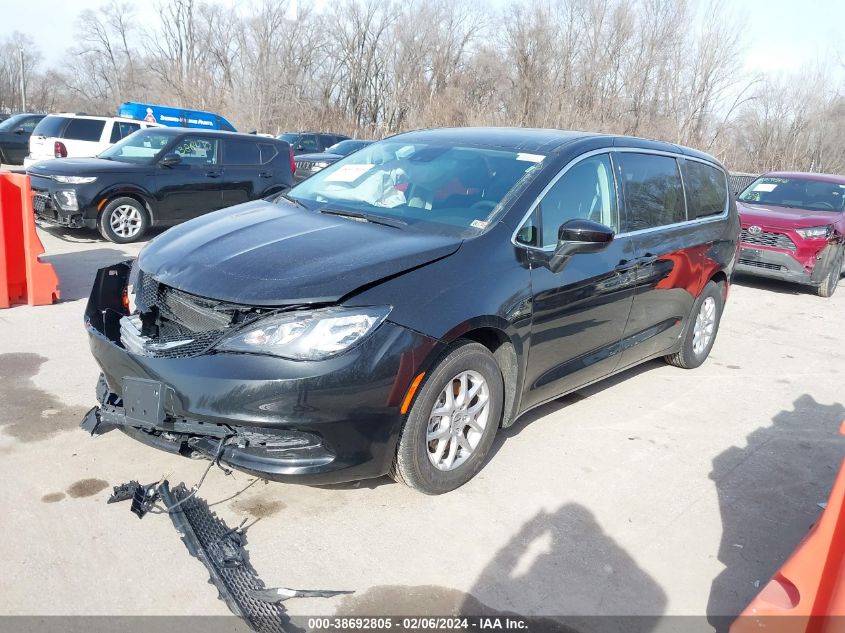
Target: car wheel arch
(133, 193)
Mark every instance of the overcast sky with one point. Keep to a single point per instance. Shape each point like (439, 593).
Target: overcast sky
(780, 34)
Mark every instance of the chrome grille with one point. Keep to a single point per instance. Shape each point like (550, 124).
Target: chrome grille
(768, 238)
(304, 165)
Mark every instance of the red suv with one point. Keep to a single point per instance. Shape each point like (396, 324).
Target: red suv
(793, 228)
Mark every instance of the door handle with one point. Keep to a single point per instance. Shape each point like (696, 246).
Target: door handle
(265, 174)
(212, 174)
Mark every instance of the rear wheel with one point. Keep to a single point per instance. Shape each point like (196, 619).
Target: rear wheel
(701, 328)
(831, 282)
(123, 220)
(452, 423)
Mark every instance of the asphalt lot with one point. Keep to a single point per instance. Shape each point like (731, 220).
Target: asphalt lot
(660, 491)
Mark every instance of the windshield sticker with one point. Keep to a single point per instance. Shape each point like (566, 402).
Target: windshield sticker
(532, 158)
(479, 224)
(765, 187)
(349, 173)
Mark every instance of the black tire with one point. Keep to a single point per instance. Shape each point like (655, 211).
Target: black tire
(412, 465)
(686, 357)
(831, 280)
(134, 231)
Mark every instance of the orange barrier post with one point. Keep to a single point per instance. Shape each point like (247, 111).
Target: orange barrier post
(23, 277)
(807, 594)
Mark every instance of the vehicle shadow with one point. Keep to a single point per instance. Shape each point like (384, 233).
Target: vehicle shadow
(768, 492)
(76, 270)
(771, 285)
(562, 402)
(560, 572)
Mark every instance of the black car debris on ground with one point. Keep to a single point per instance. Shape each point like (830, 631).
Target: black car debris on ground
(391, 312)
(14, 137)
(309, 164)
(159, 176)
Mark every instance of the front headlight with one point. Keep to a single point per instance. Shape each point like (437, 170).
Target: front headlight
(75, 180)
(815, 232)
(307, 335)
(67, 200)
(320, 164)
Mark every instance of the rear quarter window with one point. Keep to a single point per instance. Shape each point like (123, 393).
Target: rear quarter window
(84, 130)
(268, 152)
(706, 189)
(654, 195)
(240, 153)
(50, 126)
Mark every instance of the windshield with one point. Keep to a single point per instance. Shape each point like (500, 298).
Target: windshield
(142, 146)
(800, 193)
(344, 148)
(290, 137)
(441, 187)
(11, 123)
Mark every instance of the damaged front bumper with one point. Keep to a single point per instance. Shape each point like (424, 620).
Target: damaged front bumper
(323, 421)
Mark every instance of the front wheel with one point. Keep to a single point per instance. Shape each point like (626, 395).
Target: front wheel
(831, 281)
(123, 220)
(452, 423)
(701, 328)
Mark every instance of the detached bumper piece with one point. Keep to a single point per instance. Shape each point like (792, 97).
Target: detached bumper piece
(221, 550)
(807, 594)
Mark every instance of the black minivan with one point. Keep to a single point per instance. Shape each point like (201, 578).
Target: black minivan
(159, 176)
(393, 311)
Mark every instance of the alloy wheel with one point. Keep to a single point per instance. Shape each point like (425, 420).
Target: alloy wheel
(457, 420)
(705, 325)
(125, 221)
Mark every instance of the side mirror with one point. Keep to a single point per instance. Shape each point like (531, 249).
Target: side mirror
(579, 236)
(299, 147)
(20, 131)
(170, 160)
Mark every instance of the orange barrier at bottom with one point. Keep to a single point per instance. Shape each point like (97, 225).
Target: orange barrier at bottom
(23, 277)
(807, 594)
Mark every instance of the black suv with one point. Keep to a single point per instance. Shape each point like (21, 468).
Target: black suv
(14, 137)
(310, 142)
(159, 176)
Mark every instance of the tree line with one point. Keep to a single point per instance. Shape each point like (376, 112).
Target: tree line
(667, 69)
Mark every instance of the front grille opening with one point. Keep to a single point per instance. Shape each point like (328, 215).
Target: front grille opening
(179, 325)
(756, 264)
(771, 239)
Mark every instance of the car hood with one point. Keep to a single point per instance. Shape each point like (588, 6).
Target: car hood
(82, 167)
(263, 253)
(784, 217)
(319, 156)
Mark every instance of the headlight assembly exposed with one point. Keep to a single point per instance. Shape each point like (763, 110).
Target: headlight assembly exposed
(75, 180)
(66, 199)
(307, 335)
(815, 232)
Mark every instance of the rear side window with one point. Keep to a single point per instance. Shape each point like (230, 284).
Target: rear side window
(84, 130)
(121, 129)
(268, 152)
(654, 195)
(50, 126)
(707, 190)
(240, 153)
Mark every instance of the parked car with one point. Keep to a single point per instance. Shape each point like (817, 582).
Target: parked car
(309, 164)
(394, 310)
(14, 137)
(793, 229)
(311, 142)
(159, 176)
(77, 136)
(173, 117)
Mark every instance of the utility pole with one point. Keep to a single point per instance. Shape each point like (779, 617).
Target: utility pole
(23, 82)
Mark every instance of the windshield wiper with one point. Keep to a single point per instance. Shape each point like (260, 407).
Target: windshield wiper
(367, 217)
(293, 200)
